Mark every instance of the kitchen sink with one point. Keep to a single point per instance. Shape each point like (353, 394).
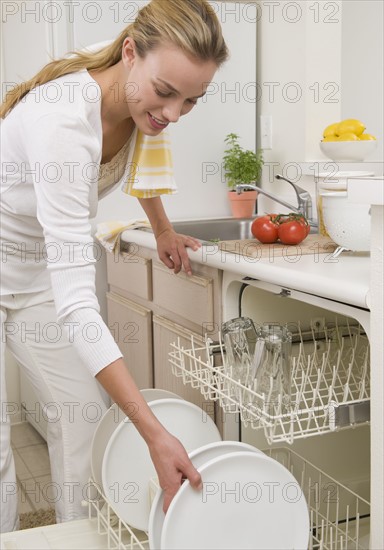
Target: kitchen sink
(223, 229)
(218, 229)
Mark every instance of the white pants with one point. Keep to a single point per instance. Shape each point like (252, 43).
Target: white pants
(69, 397)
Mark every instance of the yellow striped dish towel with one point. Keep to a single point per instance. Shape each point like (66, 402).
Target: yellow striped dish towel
(150, 167)
(108, 233)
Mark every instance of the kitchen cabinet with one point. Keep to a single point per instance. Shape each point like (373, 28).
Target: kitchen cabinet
(166, 332)
(149, 307)
(130, 274)
(187, 296)
(131, 326)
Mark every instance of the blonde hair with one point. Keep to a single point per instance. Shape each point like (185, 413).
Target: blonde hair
(190, 25)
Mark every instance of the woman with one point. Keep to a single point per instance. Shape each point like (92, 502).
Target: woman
(152, 74)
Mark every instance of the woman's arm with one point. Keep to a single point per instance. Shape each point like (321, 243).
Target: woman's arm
(170, 245)
(168, 455)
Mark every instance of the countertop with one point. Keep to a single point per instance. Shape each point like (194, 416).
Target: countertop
(344, 279)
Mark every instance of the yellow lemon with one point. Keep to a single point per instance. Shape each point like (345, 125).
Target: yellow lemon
(350, 125)
(347, 136)
(366, 137)
(330, 130)
(330, 138)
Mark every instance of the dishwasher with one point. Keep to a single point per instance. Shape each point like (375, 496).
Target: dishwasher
(324, 439)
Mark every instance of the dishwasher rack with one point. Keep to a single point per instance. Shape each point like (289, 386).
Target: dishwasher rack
(330, 384)
(120, 536)
(339, 517)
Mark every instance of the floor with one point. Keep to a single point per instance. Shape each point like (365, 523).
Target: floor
(33, 471)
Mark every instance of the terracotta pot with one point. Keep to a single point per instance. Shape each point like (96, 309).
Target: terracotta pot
(244, 204)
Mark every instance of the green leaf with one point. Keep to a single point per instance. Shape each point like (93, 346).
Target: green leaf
(240, 165)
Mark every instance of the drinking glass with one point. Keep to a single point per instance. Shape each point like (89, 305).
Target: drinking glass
(272, 365)
(239, 338)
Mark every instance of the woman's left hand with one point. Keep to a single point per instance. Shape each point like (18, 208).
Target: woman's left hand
(171, 247)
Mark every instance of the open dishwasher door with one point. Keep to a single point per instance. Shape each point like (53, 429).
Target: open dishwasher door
(327, 444)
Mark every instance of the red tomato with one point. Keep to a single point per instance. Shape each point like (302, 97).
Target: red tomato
(305, 223)
(265, 229)
(292, 232)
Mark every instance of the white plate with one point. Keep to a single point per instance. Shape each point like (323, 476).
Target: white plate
(108, 424)
(331, 175)
(199, 457)
(127, 466)
(338, 180)
(153, 394)
(248, 501)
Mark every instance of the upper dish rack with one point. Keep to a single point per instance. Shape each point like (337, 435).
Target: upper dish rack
(330, 384)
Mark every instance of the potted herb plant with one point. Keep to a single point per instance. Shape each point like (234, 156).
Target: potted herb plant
(241, 166)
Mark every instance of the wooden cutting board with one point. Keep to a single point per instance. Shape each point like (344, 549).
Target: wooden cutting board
(252, 248)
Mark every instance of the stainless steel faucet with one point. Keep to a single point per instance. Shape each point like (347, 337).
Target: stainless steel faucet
(304, 201)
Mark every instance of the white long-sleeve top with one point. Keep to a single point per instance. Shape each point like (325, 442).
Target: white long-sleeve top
(50, 158)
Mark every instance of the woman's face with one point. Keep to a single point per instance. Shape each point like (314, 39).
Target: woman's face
(163, 86)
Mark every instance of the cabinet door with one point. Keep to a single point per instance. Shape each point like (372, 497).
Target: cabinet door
(164, 333)
(131, 325)
(130, 274)
(190, 297)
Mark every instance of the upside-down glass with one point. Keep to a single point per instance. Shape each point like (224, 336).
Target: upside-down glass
(272, 365)
(239, 338)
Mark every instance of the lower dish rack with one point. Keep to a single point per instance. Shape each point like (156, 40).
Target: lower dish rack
(339, 518)
(119, 535)
(330, 384)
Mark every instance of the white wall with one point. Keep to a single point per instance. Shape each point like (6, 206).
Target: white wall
(331, 53)
(362, 70)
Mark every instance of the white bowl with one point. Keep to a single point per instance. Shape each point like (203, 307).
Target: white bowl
(348, 151)
(348, 224)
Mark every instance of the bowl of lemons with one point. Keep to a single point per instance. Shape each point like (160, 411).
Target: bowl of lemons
(347, 141)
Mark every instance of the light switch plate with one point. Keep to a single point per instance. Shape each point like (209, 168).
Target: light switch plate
(266, 131)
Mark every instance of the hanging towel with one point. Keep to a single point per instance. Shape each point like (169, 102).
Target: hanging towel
(108, 233)
(150, 167)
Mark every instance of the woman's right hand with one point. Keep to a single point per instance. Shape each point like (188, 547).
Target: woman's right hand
(168, 455)
(172, 466)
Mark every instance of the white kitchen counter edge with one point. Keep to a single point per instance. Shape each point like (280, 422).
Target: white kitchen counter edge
(345, 279)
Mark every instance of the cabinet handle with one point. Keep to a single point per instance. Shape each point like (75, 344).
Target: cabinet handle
(284, 293)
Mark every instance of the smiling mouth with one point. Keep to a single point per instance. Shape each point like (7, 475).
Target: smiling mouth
(159, 122)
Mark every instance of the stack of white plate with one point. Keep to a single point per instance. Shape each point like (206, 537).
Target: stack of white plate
(108, 424)
(248, 500)
(126, 466)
